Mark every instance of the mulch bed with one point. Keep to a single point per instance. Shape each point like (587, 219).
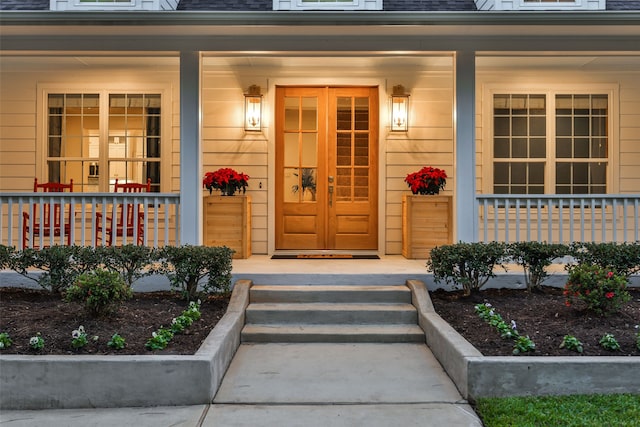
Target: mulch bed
(543, 317)
(25, 312)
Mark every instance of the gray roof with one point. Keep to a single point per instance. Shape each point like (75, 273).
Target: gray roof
(623, 4)
(24, 4)
(265, 5)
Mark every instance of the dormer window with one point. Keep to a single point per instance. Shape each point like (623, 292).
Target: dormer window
(327, 4)
(541, 5)
(98, 5)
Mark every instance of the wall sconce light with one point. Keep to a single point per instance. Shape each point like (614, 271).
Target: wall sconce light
(399, 110)
(253, 109)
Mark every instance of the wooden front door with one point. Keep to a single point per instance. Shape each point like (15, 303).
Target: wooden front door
(327, 168)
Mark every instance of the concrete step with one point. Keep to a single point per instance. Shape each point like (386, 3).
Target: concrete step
(305, 333)
(312, 294)
(330, 313)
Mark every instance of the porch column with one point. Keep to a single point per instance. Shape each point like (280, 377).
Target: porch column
(190, 153)
(465, 128)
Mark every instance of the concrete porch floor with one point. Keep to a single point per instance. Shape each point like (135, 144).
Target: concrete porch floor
(388, 270)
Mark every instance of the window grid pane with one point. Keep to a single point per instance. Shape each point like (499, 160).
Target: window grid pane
(581, 134)
(519, 133)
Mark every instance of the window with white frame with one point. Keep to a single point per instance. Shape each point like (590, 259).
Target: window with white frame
(101, 5)
(529, 5)
(552, 142)
(327, 4)
(98, 138)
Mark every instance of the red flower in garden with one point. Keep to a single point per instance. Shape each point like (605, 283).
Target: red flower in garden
(610, 295)
(427, 180)
(227, 180)
(610, 275)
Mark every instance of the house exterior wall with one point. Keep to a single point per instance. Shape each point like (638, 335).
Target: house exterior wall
(20, 154)
(429, 141)
(624, 136)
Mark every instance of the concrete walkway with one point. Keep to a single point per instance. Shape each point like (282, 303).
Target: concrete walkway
(301, 385)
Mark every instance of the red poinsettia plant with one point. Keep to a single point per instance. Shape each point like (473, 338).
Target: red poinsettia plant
(227, 180)
(427, 180)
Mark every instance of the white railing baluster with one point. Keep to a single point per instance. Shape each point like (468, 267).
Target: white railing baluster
(614, 222)
(636, 218)
(517, 220)
(593, 220)
(596, 216)
(582, 202)
(560, 222)
(485, 212)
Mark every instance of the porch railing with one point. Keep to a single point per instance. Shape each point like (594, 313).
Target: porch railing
(157, 226)
(559, 218)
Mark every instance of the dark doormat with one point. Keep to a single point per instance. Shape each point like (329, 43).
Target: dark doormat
(325, 256)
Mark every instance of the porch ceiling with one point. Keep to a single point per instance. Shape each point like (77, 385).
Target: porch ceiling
(593, 62)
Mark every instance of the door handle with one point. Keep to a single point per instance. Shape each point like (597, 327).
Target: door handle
(330, 195)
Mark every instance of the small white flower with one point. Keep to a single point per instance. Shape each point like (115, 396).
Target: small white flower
(487, 304)
(153, 334)
(1, 344)
(33, 341)
(513, 325)
(95, 338)
(174, 321)
(491, 313)
(75, 334)
(81, 329)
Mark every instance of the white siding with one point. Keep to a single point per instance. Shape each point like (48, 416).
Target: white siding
(429, 142)
(17, 134)
(226, 144)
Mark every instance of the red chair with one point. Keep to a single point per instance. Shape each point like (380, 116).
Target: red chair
(117, 224)
(36, 226)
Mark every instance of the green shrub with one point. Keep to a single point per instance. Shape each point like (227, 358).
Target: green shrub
(100, 291)
(7, 254)
(534, 257)
(186, 266)
(621, 258)
(469, 265)
(131, 261)
(59, 265)
(603, 291)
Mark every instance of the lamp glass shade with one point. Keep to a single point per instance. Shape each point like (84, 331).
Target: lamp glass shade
(252, 112)
(399, 113)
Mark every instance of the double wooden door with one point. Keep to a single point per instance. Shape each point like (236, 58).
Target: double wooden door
(326, 168)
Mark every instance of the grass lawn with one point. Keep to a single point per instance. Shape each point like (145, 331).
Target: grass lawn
(620, 410)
